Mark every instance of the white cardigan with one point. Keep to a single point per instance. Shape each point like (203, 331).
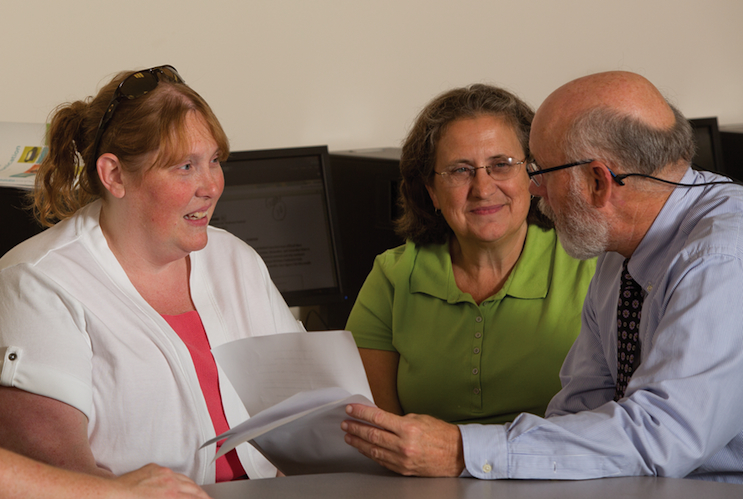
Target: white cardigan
(77, 331)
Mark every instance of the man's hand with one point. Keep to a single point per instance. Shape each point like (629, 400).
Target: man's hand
(409, 445)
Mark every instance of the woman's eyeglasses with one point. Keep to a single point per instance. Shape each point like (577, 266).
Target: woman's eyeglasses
(133, 86)
(501, 169)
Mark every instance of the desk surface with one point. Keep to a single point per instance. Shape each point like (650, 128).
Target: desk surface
(358, 486)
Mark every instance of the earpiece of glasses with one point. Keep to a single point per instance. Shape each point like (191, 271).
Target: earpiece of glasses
(501, 169)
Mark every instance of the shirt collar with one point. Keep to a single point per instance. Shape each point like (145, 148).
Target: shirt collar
(663, 235)
(432, 272)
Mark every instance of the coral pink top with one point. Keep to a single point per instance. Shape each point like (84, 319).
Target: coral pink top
(190, 329)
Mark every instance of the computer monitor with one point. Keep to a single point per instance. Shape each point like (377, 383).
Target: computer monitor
(367, 184)
(18, 222)
(709, 146)
(280, 202)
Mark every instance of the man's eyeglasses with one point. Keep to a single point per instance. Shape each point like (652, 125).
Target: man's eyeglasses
(133, 86)
(535, 172)
(501, 169)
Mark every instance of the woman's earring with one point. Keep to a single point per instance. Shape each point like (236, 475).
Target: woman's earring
(436, 211)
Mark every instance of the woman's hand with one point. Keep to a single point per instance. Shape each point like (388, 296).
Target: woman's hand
(24, 478)
(153, 481)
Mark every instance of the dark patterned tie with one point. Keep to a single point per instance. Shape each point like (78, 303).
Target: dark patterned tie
(629, 311)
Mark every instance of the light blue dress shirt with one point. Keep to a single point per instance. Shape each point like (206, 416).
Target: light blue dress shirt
(682, 414)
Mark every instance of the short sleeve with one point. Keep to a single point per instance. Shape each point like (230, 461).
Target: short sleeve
(42, 334)
(370, 320)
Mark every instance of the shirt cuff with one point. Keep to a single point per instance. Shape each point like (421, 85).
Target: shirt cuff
(485, 450)
(17, 371)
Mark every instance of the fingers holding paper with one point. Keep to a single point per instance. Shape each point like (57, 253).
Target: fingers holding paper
(410, 445)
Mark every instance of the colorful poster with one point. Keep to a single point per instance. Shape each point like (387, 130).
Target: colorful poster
(22, 148)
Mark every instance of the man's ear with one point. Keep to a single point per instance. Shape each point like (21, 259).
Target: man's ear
(110, 173)
(600, 184)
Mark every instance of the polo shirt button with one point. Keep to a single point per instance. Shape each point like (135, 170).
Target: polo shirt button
(478, 319)
(476, 391)
(478, 334)
(475, 371)
(476, 350)
(487, 468)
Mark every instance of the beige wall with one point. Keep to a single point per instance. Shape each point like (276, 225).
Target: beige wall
(353, 74)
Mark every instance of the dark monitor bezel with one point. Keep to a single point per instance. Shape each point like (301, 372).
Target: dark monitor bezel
(309, 297)
(711, 125)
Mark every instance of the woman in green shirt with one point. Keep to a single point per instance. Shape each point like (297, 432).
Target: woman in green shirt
(471, 319)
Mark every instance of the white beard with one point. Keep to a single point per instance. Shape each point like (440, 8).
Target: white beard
(581, 228)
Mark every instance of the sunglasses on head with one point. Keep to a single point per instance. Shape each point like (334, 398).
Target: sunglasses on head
(133, 86)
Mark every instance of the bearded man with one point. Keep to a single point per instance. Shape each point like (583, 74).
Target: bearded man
(652, 384)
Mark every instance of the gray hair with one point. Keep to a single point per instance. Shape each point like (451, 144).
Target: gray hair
(629, 143)
(418, 221)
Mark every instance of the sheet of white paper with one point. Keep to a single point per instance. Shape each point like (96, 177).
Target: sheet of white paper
(314, 443)
(302, 435)
(294, 407)
(266, 370)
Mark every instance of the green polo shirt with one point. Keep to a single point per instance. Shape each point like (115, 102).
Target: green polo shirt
(468, 363)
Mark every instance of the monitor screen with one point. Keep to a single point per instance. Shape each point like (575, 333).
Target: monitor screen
(709, 146)
(279, 201)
